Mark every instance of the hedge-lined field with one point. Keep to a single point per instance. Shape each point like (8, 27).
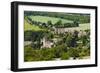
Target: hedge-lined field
(28, 26)
(45, 19)
(34, 27)
(51, 36)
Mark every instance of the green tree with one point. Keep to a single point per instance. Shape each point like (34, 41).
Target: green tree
(28, 35)
(59, 49)
(28, 53)
(58, 23)
(36, 39)
(49, 23)
(69, 40)
(76, 23)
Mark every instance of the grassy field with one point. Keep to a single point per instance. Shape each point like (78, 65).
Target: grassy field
(84, 26)
(28, 26)
(81, 27)
(45, 19)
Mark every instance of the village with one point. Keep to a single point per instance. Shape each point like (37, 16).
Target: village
(46, 43)
(60, 40)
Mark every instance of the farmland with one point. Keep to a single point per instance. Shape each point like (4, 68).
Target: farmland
(28, 26)
(81, 27)
(56, 36)
(45, 19)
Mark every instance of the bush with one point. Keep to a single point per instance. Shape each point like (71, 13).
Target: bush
(47, 54)
(84, 52)
(73, 52)
(81, 55)
(58, 50)
(65, 56)
(29, 54)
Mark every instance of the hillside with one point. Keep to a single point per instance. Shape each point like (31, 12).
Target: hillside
(45, 19)
(33, 27)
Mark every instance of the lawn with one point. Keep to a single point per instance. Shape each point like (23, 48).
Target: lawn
(81, 27)
(45, 19)
(84, 26)
(28, 26)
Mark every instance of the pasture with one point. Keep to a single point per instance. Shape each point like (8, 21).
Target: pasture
(81, 27)
(33, 27)
(45, 19)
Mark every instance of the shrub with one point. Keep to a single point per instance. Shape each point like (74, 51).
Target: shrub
(58, 50)
(84, 52)
(73, 52)
(46, 54)
(65, 56)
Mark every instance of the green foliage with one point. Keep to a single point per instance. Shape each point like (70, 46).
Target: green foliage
(83, 18)
(28, 35)
(38, 55)
(63, 49)
(61, 52)
(70, 39)
(49, 23)
(47, 54)
(58, 50)
(28, 54)
(73, 52)
(76, 22)
(30, 26)
(66, 45)
(45, 19)
(65, 56)
(58, 23)
(84, 52)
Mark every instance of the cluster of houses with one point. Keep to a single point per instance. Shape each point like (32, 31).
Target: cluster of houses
(48, 44)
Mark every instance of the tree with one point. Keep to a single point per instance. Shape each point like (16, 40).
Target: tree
(58, 23)
(68, 40)
(73, 52)
(47, 54)
(76, 23)
(28, 35)
(49, 23)
(59, 49)
(36, 39)
(74, 39)
(44, 25)
(84, 40)
(28, 53)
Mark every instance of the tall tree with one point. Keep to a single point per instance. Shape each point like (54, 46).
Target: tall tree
(49, 23)
(58, 23)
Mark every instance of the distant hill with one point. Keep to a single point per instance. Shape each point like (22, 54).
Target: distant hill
(83, 18)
